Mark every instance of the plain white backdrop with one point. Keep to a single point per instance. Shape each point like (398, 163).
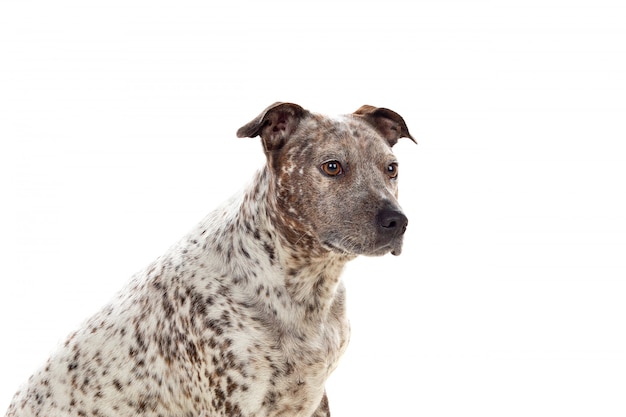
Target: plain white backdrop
(117, 133)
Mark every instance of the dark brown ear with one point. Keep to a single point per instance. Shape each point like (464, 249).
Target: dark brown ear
(387, 122)
(274, 125)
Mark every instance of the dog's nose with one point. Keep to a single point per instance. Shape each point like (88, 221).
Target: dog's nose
(392, 221)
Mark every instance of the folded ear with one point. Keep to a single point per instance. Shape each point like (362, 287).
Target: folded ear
(274, 125)
(387, 122)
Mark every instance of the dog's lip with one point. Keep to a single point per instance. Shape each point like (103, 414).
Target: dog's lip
(328, 245)
(394, 247)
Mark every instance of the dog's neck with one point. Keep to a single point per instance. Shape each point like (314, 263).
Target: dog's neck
(310, 272)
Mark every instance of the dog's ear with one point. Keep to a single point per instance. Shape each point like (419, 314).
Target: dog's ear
(274, 125)
(387, 122)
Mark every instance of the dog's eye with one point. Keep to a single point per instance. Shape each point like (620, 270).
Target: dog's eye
(392, 170)
(332, 168)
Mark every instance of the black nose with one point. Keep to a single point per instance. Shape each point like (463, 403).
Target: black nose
(392, 221)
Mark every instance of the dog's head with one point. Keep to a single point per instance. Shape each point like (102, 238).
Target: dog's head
(335, 178)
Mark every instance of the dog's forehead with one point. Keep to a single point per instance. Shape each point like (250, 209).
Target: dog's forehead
(344, 133)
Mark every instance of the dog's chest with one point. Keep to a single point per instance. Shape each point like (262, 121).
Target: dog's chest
(263, 337)
(274, 372)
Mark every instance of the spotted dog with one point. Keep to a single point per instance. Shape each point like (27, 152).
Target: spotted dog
(245, 316)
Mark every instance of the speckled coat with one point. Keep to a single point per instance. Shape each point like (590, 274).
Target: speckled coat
(245, 316)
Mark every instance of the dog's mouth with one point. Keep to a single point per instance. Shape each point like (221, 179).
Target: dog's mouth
(394, 247)
(397, 249)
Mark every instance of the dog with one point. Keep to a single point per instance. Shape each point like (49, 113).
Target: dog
(245, 316)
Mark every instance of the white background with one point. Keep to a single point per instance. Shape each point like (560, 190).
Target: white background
(117, 129)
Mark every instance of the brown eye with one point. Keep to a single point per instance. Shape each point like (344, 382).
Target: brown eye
(392, 170)
(332, 168)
